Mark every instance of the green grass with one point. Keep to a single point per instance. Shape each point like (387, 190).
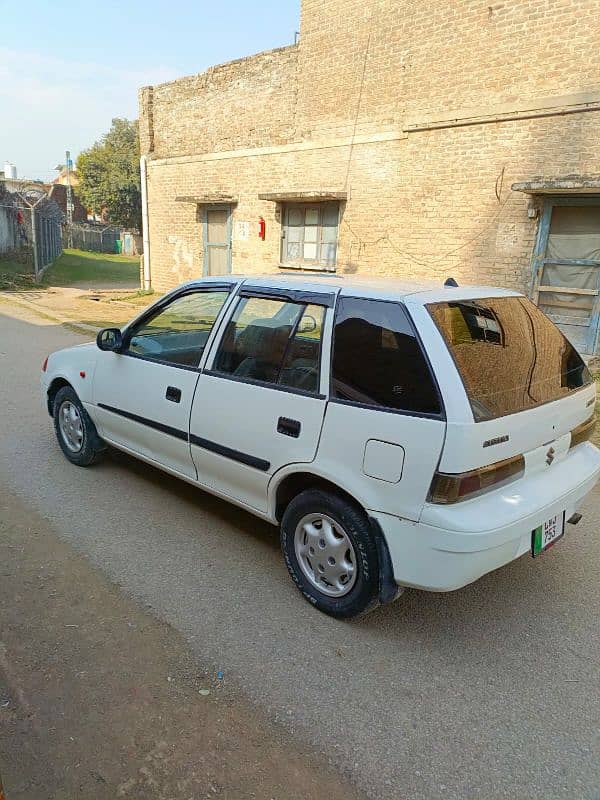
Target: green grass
(79, 266)
(138, 297)
(15, 276)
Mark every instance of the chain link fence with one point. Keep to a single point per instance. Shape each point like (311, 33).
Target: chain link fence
(98, 238)
(30, 234)
(48, 239)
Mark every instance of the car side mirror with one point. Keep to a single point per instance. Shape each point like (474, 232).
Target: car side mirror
(110, 339)
(308, 324)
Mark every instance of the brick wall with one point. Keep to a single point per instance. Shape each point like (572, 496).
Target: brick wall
(245, 103)
(422, 201)
(444, 54)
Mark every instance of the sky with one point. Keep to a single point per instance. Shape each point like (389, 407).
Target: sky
(67, 68)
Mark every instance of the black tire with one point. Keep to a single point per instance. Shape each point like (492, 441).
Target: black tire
(92, 446)
(364, 594)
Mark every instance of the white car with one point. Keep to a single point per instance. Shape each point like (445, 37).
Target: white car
(399, 434)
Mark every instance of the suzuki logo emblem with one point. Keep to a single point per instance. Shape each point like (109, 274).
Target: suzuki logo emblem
(550, 456)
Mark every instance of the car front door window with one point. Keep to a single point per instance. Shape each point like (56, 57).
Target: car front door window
(177, 334)
(274, 342)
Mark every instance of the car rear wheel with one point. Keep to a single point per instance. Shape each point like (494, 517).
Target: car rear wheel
(331, 554)
(75, 431)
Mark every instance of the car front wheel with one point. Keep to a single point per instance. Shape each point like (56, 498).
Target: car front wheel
(75, 431)
(331, 553)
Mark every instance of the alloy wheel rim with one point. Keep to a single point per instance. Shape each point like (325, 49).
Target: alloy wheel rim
(325, 554)
(71, 426)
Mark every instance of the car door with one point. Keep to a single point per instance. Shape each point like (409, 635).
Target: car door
(260, 406)
(384, 407)
(143, 395)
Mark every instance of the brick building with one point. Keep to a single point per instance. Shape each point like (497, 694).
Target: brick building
(419, 140)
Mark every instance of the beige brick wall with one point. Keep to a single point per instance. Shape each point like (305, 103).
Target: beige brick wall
(421, 203)
(443, 54)
(245, 103)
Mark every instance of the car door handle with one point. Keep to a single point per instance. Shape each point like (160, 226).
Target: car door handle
(289, 427)
(173, 394)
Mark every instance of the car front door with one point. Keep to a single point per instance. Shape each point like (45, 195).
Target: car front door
(260, 405)
(143, 395)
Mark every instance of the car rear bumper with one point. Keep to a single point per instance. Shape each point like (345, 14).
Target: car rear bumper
(461, 547)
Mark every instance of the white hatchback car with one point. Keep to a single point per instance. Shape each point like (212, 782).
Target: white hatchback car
(400, 435)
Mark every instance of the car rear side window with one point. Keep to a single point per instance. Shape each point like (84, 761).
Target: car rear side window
(510, 356)
(378, 360)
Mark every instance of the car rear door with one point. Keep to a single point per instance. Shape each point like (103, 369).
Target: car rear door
(259, 404)
(384, 427)
(143, 395)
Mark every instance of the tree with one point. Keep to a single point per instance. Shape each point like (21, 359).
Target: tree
(109, 175)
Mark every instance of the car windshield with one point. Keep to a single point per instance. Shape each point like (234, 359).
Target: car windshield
(510, 356)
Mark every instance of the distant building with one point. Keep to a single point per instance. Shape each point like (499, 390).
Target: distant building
(412, 139)
(58, 192)
(10, 171)
(64, 177)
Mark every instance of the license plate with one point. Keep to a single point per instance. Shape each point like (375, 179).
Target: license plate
(544, 536)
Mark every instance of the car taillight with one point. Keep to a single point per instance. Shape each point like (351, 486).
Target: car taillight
(45, 364)
(452, 488)
(583, 432)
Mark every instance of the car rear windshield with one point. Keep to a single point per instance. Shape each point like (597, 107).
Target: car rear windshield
(510, 356)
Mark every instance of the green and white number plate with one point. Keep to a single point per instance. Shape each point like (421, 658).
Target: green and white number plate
(544, 536)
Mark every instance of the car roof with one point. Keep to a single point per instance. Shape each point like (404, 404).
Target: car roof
(381, 288)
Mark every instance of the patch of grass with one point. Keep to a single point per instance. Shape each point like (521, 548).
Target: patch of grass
(15, 276)
(139, 298)
(80, 266)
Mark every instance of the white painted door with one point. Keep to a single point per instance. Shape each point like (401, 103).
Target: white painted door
(259, 407)
(143, 396)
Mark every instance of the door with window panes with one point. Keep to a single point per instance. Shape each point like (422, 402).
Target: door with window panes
(259, 404)
(309, 235)
(384, 411)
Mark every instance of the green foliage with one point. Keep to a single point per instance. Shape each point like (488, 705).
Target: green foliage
(109, 175)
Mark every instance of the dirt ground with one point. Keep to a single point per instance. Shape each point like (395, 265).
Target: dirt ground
(100, 700)
(82, 307)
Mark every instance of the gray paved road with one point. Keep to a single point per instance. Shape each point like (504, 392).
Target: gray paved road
(488, 692)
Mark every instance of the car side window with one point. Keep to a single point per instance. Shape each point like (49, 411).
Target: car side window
(273, 341)
(177, 334)
(377, 359)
